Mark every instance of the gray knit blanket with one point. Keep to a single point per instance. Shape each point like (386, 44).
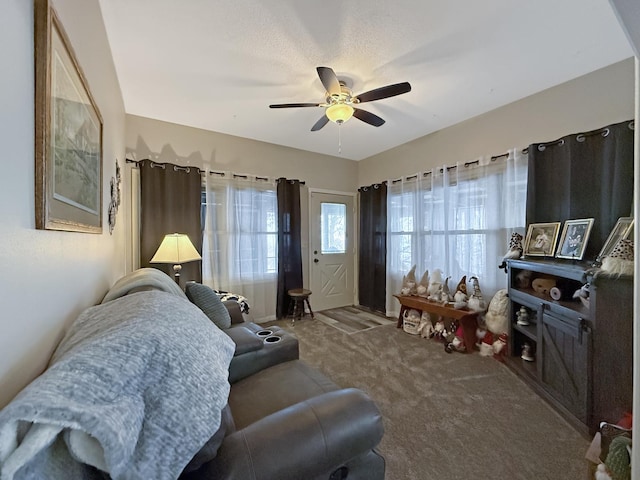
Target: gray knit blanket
(140, 279)
(135, 389)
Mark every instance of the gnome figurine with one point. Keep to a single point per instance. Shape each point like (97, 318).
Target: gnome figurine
(445, 295)
(460, 297)
(435, 286)
(620, 260)
(476, 301)
(515, 250)
(409, 282)
(423, 285)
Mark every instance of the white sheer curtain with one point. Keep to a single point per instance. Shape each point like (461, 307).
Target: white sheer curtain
(456, 219)
(240, 240)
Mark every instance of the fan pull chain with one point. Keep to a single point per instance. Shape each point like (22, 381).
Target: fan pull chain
(340, 139)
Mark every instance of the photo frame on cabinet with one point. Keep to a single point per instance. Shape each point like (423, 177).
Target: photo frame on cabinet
(575, 235)
(68, 133)
(541, 239)
(623, 229)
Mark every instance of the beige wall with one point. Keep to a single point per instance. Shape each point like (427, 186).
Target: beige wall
(147, 138)
(49, 277)
(600, 98)
(168, 142)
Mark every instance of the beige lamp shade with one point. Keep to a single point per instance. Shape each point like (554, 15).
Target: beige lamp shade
(176, 248)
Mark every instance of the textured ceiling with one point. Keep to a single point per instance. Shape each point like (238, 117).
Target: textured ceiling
(217, 64)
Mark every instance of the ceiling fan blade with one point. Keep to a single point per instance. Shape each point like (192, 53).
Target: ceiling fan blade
(320, 123)
(368, 117)
(294, 105)
(384, 92)
(329, 80)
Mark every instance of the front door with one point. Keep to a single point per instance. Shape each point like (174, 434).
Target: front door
(332, 255)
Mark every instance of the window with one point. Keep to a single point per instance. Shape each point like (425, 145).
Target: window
(456, 220)
(333, 227)
(241, 224)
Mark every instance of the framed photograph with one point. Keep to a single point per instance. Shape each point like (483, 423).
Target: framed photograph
(575, 236)
(68, 133)
(622, 230)
(541, 239)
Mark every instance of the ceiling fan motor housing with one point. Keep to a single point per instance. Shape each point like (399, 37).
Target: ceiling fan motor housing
(345, 96)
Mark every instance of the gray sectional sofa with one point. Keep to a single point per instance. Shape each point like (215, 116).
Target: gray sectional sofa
(146, 386)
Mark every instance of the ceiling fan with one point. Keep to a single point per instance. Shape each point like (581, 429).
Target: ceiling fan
(340, 101)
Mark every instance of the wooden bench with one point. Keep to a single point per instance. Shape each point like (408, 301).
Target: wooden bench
(468, 318)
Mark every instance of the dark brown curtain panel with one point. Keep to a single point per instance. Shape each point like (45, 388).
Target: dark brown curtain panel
(586, 175)
(372, 266)
(289, 243)
(170, 202)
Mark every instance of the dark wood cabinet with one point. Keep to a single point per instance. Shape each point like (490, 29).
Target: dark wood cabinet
(578, 354)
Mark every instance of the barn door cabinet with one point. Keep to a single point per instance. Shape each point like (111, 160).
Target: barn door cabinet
(577, 354)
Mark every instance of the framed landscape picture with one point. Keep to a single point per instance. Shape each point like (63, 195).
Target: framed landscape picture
(575, 236)
(68, 133)
(623, 229)
(541, 239)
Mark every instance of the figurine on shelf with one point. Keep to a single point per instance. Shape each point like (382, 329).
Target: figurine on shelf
(435, 287)
(423, 286)
(460, 297)
(409, 282)
(515, 250)
(583, 294)
(523, 279)
(620, 260)
(445, 294)
(476, 301)
(527, 353)
(523, 316)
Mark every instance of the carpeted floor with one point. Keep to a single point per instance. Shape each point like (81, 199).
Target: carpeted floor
(446, 416)
(352, 319)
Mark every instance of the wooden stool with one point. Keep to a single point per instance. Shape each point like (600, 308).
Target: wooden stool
(299, 297)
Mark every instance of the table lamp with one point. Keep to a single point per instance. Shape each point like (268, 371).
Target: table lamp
(176, 248)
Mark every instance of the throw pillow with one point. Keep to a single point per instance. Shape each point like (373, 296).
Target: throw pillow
(207, 300)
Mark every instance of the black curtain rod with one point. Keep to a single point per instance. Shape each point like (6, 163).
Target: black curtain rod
(495, 157)
(153, 164)
(176, 168)
(375, 186)
(543, 146)
(580, 137)
(292, 180)
(466, 164)
(452, 167)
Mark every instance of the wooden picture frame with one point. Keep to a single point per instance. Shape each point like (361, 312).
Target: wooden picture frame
(541, 239)
(68, 133)
(623, 229)
(575, 235)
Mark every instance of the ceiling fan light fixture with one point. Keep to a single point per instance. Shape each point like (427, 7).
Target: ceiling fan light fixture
(339, 113)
